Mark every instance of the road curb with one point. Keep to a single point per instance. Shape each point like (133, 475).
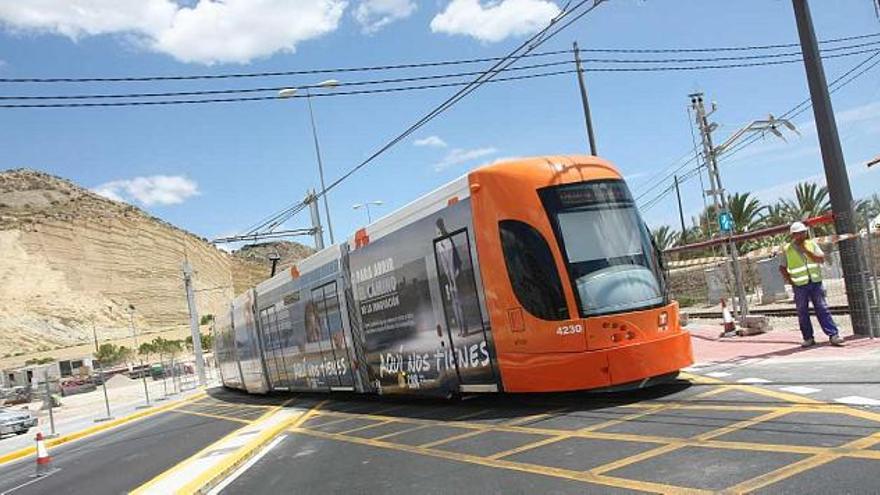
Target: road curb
(201, 482)
(211, 479)
(70, 437)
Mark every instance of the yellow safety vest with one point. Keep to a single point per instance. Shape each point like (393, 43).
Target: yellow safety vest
(802, 269)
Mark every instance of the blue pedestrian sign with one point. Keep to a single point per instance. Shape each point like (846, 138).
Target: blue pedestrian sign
(725, 222)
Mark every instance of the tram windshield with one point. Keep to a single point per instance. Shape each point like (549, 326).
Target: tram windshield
(610, 257)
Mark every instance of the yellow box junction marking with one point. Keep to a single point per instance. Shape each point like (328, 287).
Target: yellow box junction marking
(791, 404)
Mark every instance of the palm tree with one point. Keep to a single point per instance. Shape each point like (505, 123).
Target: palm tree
(664, 237)
(811, 200)
(707, 222)
(746, 212)
(867, 209)
(778, 213)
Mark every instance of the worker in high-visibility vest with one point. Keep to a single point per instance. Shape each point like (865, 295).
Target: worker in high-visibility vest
(801, 267)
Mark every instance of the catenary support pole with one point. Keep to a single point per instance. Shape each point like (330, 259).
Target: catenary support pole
(720, 200)
(312, 200)
(194, 322)
(835, 169)
(588, 117)
(50, 402)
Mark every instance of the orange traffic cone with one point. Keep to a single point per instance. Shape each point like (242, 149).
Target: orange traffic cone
(44, 460)
(727, 320)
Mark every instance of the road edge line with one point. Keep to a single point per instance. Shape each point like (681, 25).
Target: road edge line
(204, 482)
(99, 428)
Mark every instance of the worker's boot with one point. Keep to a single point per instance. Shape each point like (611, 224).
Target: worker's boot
(837, 341)
(808, 343)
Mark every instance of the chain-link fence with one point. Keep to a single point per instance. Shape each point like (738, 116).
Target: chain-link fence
(63, 399)
(702, 279)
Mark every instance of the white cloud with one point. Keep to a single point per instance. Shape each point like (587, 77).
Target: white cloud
(149, 191)
(374, 15)
(430, 141)
(494, 20)
(458, 156)
(211, 31)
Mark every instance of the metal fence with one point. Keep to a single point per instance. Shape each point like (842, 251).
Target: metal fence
(701, 278)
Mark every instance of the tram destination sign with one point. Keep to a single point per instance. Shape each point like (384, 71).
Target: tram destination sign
(593, 193)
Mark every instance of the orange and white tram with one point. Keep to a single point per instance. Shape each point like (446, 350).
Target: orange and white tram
(531, 275)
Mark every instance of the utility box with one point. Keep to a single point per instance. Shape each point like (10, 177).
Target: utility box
(772, 284)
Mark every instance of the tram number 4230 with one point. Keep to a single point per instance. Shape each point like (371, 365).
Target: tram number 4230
(570, 329)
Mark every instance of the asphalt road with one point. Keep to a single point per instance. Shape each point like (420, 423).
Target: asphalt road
(679, 438)
(854, 381)
(123, 458)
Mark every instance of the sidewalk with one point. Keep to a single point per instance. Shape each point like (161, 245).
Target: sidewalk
(779, 344)
(79, 412)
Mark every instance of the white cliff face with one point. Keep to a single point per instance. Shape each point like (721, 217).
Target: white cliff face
(69, 258)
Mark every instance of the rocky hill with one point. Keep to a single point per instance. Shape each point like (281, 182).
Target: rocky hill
(70, 259)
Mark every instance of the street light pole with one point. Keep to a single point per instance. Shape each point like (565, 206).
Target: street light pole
(290, 92)
(320, 165)
(367, 206)
(134, 338)
(103, 378)
(835, 169)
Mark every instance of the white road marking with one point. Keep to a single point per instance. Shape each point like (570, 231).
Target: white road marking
(753, 380)
(33, 480)
(800, 390)
(247, 465)
(718, 374)
(855, 400)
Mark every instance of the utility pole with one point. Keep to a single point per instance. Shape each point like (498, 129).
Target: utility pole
(719, 198)
(835, 170)
(318, 232)
(194, 322)
(584, 100)
(680, 211)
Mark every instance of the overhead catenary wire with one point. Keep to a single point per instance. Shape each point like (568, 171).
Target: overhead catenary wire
(526, 47)
(836, 85)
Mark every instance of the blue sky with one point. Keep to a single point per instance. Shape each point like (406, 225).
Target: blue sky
(216, 169)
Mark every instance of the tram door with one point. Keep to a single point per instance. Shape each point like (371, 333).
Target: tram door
(461, 308)
(334, 348)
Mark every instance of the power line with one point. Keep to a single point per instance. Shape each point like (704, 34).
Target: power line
(177, 94)
(240, 99)
(415, 65)
(277, 88)
(532, 43)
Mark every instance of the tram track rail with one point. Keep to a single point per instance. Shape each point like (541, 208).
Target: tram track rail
(776, 312)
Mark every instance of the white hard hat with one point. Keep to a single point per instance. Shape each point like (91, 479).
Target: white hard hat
(797, 227)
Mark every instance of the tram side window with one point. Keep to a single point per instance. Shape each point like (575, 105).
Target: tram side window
(532, 271)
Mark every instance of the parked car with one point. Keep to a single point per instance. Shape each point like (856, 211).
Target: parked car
(16, 421)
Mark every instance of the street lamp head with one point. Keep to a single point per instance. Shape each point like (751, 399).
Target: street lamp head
(329, 83)
(287, 93)
(377, 202)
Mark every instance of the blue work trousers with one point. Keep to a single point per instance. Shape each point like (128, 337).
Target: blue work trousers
(813, 292)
